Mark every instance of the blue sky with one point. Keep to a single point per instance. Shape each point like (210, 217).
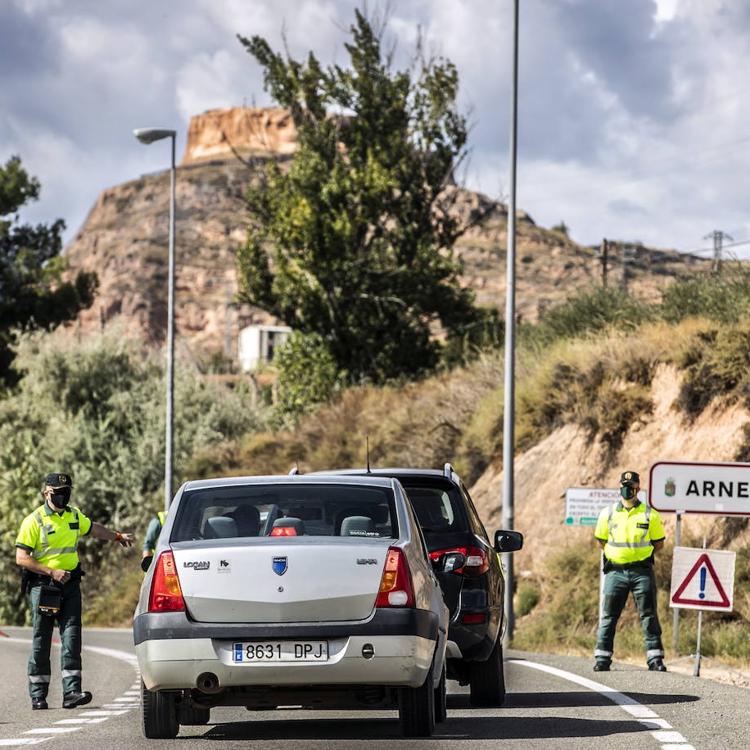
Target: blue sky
(633, 113)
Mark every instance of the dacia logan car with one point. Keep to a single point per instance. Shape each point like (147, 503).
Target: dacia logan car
(300, 590)
(469, 571)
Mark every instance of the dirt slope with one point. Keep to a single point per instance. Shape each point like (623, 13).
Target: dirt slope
(567, 458)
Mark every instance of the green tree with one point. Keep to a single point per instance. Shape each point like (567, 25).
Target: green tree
(353, 240)
(32, 292)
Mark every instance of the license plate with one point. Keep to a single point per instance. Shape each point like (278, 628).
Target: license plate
(279, 651)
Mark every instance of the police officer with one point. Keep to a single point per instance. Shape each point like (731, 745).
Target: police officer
(47, 549)
(152, 536)
(630, 532)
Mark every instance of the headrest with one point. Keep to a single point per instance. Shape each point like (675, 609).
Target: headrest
(357, 526)
(220, 527)
(247, 518)
(295, 523)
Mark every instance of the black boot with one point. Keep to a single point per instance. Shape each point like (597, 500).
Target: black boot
(38, 704)
(656, 665)
(601, 666)
(73, 700)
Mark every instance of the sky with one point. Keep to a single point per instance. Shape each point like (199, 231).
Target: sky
(634, 115)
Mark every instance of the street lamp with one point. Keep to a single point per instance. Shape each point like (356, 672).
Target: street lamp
(510, 340)
(147, 136)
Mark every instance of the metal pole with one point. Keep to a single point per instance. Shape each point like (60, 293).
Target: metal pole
(510, 343)
(676, 613)
(697, 664)
(169, 443)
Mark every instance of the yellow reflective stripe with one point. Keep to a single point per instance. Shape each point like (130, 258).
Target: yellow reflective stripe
(630, 545)
(42, 533)
(59, 551)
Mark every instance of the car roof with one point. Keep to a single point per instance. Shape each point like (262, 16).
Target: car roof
(395, 472)
(293, 479)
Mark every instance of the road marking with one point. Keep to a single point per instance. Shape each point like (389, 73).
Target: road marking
(81, 721)
(126, 700)
(647, 717)
(96, 712)
(53, 730)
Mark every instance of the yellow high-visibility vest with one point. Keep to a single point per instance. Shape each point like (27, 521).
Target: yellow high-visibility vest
(52, 538)
(629, 534)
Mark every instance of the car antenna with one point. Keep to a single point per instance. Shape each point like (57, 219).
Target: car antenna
(367, 442)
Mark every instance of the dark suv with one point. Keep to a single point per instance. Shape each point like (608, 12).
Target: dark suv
(470, 574)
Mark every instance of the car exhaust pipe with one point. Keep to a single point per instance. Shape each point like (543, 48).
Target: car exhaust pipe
(208, 682)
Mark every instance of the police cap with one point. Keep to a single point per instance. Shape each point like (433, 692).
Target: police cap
(58, 480)
(630, 478)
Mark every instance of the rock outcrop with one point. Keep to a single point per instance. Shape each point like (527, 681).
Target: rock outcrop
(124, 239)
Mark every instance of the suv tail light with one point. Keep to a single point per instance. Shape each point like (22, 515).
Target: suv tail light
(166, 593)
(477, 560)
(396, 589)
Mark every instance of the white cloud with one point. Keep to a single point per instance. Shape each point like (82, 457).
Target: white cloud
(633, 122)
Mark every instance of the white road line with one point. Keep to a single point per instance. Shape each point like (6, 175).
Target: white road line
(671, 740)
(52, 730)
(126, 700)
(96, 712)
(81, 721)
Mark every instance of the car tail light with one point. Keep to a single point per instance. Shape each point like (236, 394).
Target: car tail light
(477, 560)
(284, 531)
(396, 589)
(166, 593)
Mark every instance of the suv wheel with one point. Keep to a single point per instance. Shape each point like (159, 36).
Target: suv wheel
(159, 715)
(487, 679)
(441, 708)
(416, 709)
(190, 715)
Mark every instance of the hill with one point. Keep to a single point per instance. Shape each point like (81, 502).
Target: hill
(124, 239)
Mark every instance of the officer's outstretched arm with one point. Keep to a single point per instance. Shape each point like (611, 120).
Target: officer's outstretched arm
(102, 532)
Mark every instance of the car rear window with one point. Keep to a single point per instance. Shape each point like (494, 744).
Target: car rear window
(266, 510)
(439, 509)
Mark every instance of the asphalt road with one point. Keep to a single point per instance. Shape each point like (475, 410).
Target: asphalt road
(553, 702)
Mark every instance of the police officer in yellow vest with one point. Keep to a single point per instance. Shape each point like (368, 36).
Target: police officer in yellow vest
(152, 536)
(47, 549)
(630, 532)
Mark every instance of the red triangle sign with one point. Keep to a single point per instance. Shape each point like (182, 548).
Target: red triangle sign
(723, 600)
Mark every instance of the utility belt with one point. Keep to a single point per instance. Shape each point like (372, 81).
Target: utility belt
(644, 565)
(29, 579)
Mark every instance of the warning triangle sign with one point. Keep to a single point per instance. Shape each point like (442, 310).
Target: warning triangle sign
(697, 581)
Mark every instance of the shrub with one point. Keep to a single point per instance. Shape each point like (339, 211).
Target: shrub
(95, 409)
(724, 298)
(308, 375)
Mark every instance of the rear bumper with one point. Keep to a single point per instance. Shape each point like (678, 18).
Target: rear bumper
(397, 661)
(172, 651)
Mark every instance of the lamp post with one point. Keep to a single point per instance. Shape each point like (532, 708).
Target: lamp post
(510, 339)
(148, 136)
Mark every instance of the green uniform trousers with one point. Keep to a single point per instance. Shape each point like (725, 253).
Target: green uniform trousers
(617, 585)
(69, 622)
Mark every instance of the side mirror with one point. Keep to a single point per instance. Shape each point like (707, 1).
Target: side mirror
(450, 562)
(146, 563)
(508, 541)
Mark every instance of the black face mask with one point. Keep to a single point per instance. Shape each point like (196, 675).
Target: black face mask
(628, 492)
(60, 498)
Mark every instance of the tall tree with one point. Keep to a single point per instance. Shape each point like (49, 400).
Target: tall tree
(353, 240)
(32, 292)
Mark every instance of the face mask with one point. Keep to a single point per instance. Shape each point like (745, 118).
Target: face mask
(628, 492)
(60, 498)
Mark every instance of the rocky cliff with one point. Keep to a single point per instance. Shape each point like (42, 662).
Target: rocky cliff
(124, 239)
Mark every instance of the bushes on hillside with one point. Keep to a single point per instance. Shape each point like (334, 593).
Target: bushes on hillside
(724, 298)
(96, 410)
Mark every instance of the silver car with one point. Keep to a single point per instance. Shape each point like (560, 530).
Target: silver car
(294, 590)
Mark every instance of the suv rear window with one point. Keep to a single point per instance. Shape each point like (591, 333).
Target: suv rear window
(439, 508)
(264, 510)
